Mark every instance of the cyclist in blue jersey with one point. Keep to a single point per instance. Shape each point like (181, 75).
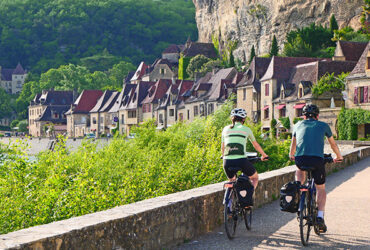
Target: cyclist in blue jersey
(307, 149)
(233, 146)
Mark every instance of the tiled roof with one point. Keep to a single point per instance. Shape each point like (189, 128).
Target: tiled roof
(216, 81)
(53, 97)
(48, 114)
(122, 95)
(19, 70)
(101, 101)
(359, 69)
(157, 91)
(255, 71)
(352, 51)
(173, 48)
(110, 102)
(140, 71)
(86, 101)
(280, 67)
(138, 95)
(129, 76)
(206, 49)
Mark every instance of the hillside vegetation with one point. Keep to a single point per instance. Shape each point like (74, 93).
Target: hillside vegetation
(63, 184)
(44, 34)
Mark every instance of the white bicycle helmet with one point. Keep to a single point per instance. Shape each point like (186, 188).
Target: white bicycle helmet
(239, 112)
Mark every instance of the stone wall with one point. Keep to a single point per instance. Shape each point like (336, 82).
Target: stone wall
(154, 223)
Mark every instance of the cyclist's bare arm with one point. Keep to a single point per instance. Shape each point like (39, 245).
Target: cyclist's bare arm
(259, 149)
(293, 146)
(222, 148)
(335, 148)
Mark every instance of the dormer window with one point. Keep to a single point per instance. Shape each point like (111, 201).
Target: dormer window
(282, 94)
(162, 71)
(55, 115)
(300, 92)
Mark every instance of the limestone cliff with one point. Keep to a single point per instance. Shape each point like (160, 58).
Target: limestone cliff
(254, 22)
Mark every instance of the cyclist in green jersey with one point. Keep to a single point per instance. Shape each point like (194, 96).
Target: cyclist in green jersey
(307, 149)
(233, 146)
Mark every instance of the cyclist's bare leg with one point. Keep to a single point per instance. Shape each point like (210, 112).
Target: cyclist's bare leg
(254, 179)
(321, 197)
(300, 176)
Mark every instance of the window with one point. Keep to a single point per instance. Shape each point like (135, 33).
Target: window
(201, 109)
(160, 118)
(19, 84)
(181, 116)
(300, 92)
(188, 114)
(101, 120)
(267, 88)
(266, 116)
(282, 112)
(361, 95)
(122, 119)
(244, 94)
(195, 110)
(210, 108)
(162, 71)
(94, 120)
(147, 108)
(132, 114)
(299, 112)
(172, 112)
(55, 115)
(282, 94)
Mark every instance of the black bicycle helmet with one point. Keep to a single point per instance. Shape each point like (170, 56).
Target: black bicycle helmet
(310, 110)
(239, 112)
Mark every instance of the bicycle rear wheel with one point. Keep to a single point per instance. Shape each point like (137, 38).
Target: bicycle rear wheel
(231, 215)
(304, 219)
(247, 214)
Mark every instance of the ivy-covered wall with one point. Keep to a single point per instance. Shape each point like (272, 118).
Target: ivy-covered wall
(348, 121)
(183, 64)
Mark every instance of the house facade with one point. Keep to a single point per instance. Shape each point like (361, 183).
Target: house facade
(12, 80)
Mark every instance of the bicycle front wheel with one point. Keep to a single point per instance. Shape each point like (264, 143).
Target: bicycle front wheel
(247, 214)
(304, 219)
(231, 215)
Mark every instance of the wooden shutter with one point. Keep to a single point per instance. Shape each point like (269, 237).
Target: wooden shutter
(355, 99)
(365, 94)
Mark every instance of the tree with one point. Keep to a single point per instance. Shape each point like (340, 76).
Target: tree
(5, 104)
(119, 71)
(14, 123)
(349, 34)
(333, 23)
(252, 55)
(22, 126)
(209, 66)
(102, 61)
(274, 51)
(196, 64)
(298, 48)
(273, 127)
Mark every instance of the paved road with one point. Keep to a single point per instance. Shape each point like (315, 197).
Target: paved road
(347, 217)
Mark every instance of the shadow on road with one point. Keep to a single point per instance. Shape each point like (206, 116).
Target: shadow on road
(270, 230)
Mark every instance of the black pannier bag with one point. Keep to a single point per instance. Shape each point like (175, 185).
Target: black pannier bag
(244, 190)
(289, 197)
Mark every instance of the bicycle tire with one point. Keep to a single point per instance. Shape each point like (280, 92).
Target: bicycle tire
(304, 219)
(314, 211)
(247, 214)
(230, 216)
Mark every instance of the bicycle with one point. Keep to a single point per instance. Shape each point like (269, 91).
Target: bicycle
(307, 210)
(232, 208)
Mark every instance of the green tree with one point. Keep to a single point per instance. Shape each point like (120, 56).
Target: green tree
(252, 55)
(298, 48)
(330, 82)
(333, 23)
(349, 34)
(100, 62)
(365, 24)
(274, 51)
(209, 66)
(196, 64)
(273, 127)
(118, 72)
(22, 125)
(14, 123)
(5, 104)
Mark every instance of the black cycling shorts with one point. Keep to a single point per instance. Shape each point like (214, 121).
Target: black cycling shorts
(231, 167)
(316, 162)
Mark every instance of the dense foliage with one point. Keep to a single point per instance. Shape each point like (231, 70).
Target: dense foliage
(45, 34)
(63, 183)
(5, 104)
(274, 50)
(195, 65)
(348, 121)
(349, 34)
(330, 83)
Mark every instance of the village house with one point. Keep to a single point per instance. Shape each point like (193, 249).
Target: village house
(99, 117)
(78, 116)
(348, 51)
(139, 73)
(12, 80)
(47, 112)
(172, 53)
(131, 112)
(297, 91)
(358, 88)
(160, 69)
(249, 88)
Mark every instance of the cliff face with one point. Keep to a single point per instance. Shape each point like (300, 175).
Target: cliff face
(255, 22)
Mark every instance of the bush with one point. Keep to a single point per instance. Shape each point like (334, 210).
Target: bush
(285, 135)
(296, 119)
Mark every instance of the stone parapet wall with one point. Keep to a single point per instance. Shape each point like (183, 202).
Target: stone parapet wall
(154, 223)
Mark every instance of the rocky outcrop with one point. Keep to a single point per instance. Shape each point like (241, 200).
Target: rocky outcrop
(254, 22)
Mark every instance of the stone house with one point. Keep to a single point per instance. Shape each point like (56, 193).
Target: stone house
(48, 109)
(208, 95)
(99, 117)
(249, 88)
(297, 91)
(152, 100)
(114, 111)
(12, 80)
(172, 53)
(177, 93)
(160, 69)
(276, 74)
(131, 112)
(358, 88)
(78, 116)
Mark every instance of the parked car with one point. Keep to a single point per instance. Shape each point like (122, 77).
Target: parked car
(7, 134)
(90, 136)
